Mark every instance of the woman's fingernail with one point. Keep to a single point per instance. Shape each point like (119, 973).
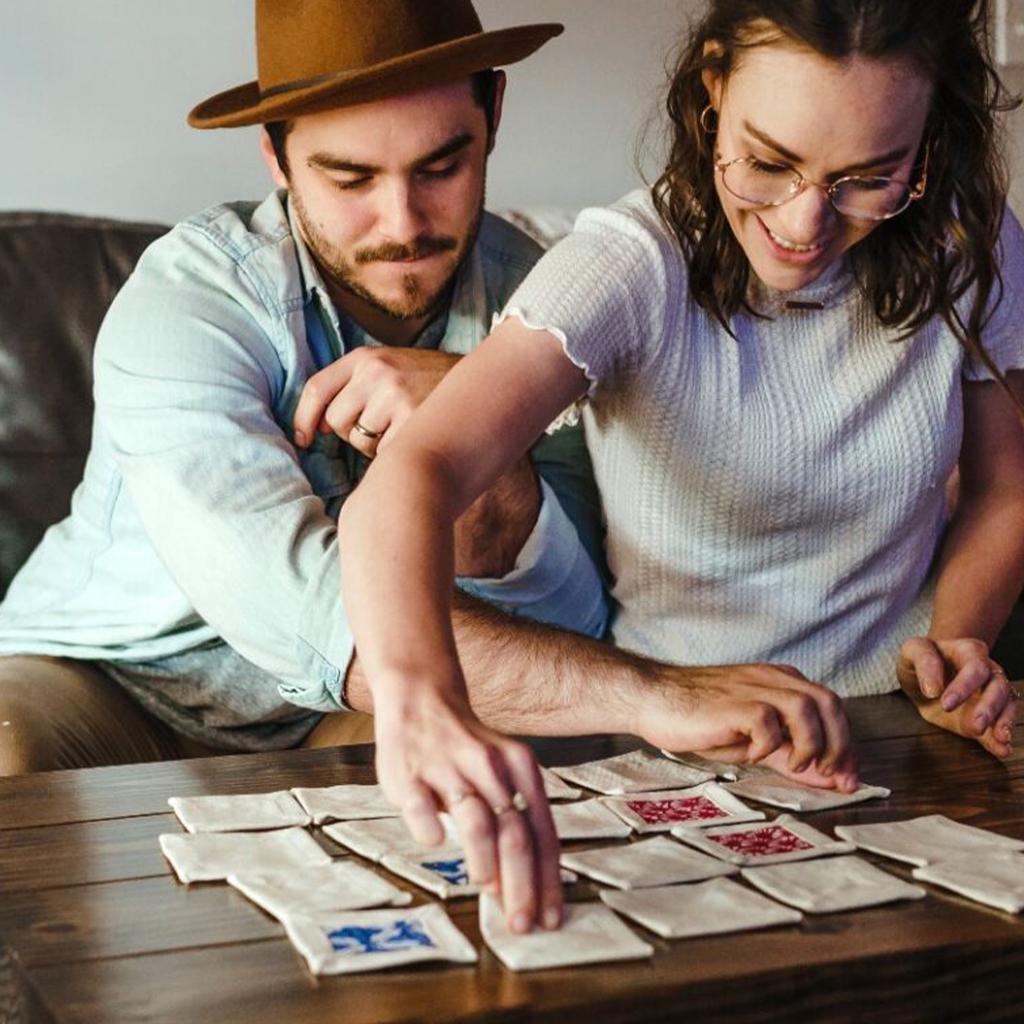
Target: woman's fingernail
(552, 919)
(948, 702)
(520, 924)
(300, 438)
(981, 721)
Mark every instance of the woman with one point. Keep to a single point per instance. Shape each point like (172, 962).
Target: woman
(784, 351)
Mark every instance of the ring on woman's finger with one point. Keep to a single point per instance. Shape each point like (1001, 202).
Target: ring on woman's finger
(373, 435)
(517, 803)
(454, 797)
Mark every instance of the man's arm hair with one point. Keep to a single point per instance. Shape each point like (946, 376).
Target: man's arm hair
(531, 679)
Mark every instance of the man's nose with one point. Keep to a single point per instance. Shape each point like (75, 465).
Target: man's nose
(399, 218)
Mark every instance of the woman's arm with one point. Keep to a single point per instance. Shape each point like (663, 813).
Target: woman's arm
(396, 532)
(949, 674)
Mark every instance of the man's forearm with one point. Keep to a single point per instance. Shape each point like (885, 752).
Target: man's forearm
(530, 679)
(490, 534)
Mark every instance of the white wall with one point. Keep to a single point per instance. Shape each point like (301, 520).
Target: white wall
(95, 94)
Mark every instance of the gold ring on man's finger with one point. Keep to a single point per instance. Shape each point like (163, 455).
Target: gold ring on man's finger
(373, 435)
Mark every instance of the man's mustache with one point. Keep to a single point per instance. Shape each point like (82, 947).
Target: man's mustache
(425, 246)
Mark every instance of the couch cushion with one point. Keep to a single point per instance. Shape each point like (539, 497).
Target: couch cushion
(58, 274)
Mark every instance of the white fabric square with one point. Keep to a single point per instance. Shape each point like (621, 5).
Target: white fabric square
(372, 940)
(242, 812)
(830, 885)
(340, 885)
(212, 856)
(720, 769)
(588, 819)
(705, 908)
(646, 864)
(996, 879)
(556, 788)
(590, 934)
(444, 874)
(926, 840)
(635, 772)
(375, 838)
(344, 803)
(701, 806)
(777, 791)
(769, 842)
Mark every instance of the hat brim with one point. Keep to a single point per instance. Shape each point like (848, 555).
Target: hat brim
(436, 65)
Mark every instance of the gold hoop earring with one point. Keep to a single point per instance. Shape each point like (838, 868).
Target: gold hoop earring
(705, 120)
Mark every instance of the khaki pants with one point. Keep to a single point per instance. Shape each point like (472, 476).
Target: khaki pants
(57, 713)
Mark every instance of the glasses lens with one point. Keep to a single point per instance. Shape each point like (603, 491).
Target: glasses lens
(870, 198)
(756, 182)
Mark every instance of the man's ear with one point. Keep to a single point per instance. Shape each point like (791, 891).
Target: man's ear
(270, 159)
(500, 81)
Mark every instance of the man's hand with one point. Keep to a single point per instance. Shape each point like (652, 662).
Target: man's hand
(368, 394)
(753, 713)
(957, 686)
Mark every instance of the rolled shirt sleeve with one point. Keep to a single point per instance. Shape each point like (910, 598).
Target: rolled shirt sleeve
(554, 579)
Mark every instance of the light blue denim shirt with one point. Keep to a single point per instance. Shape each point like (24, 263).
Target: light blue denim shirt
(198, 519)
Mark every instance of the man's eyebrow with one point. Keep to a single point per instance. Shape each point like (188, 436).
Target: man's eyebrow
(893, 156)
(334, 162)
(447, 149)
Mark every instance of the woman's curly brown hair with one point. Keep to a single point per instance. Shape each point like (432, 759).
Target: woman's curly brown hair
(915, 266)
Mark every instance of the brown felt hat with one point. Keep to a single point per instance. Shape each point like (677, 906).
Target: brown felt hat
(317, 54)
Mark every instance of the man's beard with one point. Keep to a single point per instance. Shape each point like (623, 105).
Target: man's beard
(341, 273)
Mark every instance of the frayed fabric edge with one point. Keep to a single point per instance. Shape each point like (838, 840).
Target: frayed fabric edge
(569, 417)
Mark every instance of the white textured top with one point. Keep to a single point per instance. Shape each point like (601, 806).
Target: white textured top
(779, 497)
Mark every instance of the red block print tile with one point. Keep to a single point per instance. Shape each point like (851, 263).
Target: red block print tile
(659, 812)
(763, 841)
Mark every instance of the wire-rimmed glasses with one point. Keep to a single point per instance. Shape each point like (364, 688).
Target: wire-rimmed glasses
(863, 197)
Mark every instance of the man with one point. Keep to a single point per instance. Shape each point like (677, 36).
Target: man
(190, 603)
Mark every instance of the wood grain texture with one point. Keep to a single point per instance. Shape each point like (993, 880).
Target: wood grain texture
(104, 933)
(692, 981)
(86, 922)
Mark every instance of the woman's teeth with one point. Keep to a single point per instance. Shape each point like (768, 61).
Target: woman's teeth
(785, 243)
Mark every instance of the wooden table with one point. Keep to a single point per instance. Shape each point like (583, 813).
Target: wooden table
(96, 929)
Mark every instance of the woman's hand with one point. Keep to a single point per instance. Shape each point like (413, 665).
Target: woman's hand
(434, 755)
(957, 686)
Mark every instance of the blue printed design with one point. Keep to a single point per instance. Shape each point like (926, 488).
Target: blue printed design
(402, 934)
(453, 871)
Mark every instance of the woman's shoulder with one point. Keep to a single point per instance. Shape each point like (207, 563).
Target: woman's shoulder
(634, 215)
(632, 232)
